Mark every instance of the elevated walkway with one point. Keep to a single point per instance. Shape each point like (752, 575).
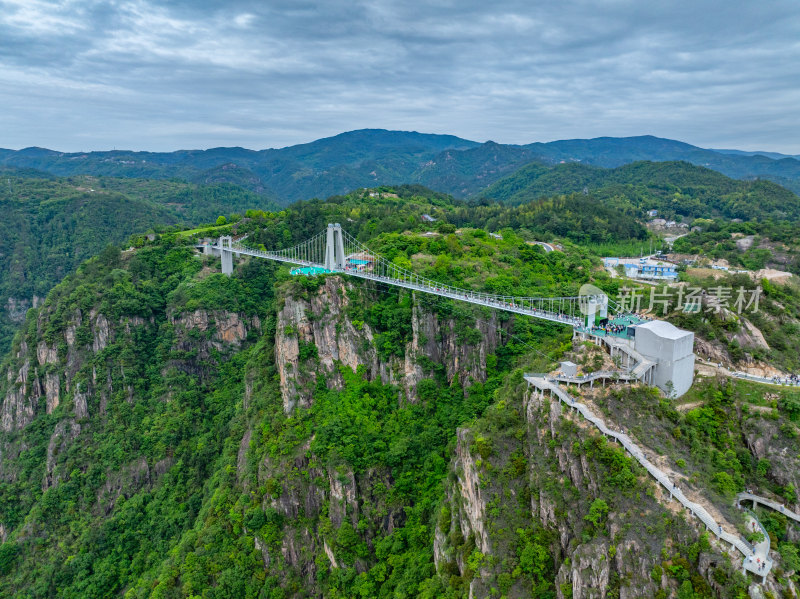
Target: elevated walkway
(612, 376)
(758, 500)
(555, 309)
(335, 251)
(753, 557)
(639, 367)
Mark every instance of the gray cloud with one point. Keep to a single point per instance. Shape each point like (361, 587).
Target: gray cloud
(85, 74)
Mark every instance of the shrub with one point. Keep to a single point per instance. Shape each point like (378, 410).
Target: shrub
(724, 484)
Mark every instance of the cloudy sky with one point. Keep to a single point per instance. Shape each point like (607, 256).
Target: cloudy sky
(81, 74)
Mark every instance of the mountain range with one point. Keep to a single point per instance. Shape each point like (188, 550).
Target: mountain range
(373, 157)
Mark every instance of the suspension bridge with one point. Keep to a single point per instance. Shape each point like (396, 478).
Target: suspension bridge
(663, 356)
(336, 251)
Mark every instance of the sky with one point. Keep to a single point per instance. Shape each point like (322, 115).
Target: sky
(79, 75)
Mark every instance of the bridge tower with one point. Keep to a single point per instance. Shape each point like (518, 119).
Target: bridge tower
(226, 253)
(595, 305)
(334, 248)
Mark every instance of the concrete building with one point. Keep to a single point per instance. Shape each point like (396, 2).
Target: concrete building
(652, 268)
(569, 368)
(672, 350)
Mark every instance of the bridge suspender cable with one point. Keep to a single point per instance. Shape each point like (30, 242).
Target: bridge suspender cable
(335, 250)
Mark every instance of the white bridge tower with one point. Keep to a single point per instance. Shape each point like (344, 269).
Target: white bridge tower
(334, 248)
(226, 253)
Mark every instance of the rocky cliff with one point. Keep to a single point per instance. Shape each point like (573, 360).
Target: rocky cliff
(536, 492)
(167, 431)
(321, 320)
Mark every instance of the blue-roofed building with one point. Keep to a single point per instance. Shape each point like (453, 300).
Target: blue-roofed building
(666, 272)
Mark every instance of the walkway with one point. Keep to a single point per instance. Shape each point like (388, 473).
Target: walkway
(580, 380)
(784, 381)
(636, 364)
(781, 381)
(758, 500)
(349, 256)
(335, 251)
(736, 542)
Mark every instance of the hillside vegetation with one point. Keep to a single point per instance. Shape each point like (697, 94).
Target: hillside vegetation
(179, 433)
(167, 431)
(51, 225)
(675, 189)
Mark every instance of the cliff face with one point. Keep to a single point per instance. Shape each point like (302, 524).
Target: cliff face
(331, 442)
(321, 321)
(531, 481)
(204, 337)
(71, 370)
(45, 367)
(320, 500)
(57, 369)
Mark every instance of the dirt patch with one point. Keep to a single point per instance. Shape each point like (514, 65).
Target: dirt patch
(772, 275)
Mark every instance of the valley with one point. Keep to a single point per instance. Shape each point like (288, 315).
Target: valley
(187, 418)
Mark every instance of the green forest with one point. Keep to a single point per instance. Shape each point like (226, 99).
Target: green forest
(170, 467)
(168, 431)
(51, 225)
(677, 190)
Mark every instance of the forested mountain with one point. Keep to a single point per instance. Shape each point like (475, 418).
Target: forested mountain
(171, 432)
(773, 155)
(611, 152)
(675, 189)
(372, 157)
(50, 225)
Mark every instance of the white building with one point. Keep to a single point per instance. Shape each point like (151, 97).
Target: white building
(672, 349)
(569, 368)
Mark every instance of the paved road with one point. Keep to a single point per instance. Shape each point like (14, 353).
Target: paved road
(547, 247)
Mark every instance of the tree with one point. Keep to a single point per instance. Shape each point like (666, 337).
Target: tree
(597, 512)
(221, 220)
(109, 256)
(790, 557)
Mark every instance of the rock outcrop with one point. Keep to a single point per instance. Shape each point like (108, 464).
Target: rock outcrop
(320, 320)
(558, 464)
(203, 336)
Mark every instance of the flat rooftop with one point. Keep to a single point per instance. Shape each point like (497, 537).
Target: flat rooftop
(664, 329)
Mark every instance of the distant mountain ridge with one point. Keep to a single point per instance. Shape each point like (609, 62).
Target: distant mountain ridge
(372, 157)
(773, 155)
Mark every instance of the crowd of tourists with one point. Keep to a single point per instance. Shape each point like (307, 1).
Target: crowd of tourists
(610, 329)
(791, 379)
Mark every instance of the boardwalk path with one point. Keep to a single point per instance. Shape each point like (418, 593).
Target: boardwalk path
(753, 557)
(758, 500)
